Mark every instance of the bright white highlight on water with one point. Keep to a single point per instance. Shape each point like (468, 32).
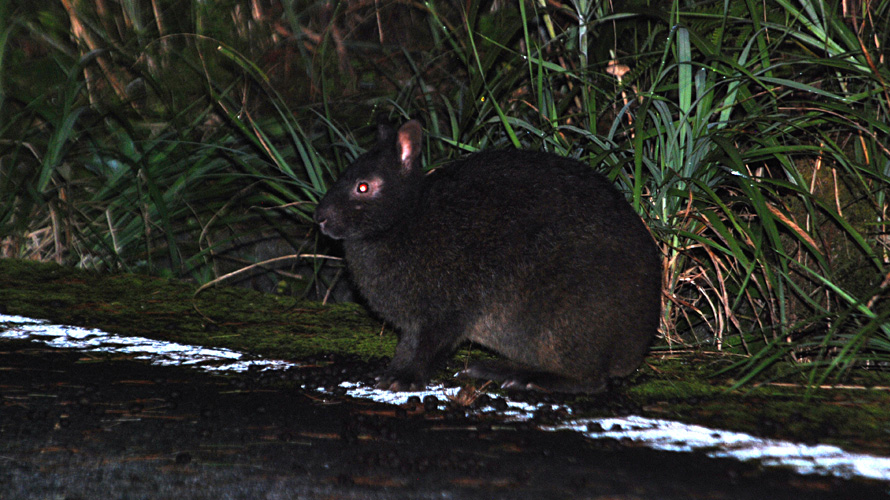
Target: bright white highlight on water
(397, 398)
(676, 436)
(155, 351)
(516, 409)
(659, 434)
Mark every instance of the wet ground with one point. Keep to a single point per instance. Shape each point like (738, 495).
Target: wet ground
(92, 425)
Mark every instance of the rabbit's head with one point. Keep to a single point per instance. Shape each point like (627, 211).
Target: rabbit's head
(378, 190)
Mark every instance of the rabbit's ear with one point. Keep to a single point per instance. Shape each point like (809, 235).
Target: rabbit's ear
(408, 144)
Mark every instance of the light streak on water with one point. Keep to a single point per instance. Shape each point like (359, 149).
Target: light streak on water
(157, 352)
(658, 434)
(676, 436)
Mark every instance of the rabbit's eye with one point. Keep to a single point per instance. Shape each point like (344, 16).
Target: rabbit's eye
(367, 188)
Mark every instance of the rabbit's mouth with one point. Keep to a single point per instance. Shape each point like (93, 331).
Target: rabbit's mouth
(330, 228)
(324, 224)
(326, 229)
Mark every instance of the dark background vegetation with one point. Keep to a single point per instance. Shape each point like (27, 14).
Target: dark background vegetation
(192, 139)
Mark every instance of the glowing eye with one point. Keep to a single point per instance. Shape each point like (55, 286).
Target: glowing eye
(362, 187)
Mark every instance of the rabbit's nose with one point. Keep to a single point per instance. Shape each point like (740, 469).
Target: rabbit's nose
(319, 217)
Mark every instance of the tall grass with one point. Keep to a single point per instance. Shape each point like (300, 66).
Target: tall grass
(161, 152)
(751, 136)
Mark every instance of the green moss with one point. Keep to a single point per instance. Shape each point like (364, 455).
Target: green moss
(244, 320)
(667, 390)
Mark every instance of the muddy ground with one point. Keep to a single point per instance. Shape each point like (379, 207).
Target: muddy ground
(82, 426)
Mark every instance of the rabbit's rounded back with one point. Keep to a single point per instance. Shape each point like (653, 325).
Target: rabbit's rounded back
(530, 254)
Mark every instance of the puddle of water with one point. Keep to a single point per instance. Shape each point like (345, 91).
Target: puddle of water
(659, 434)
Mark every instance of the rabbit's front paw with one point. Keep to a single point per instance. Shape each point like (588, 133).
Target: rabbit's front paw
(400, 382)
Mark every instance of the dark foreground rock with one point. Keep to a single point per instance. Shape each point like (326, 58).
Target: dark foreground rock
(78, 426)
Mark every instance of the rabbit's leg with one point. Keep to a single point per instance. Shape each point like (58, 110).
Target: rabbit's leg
(418, 353)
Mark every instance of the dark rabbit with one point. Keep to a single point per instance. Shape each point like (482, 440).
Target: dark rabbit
(529, 254)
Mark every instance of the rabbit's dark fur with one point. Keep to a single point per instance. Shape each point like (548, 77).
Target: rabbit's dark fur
(529, 254)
